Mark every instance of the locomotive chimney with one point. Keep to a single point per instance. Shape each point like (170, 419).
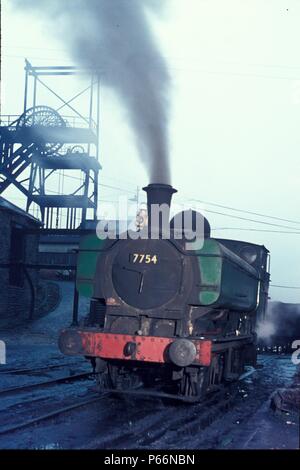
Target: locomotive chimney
(158, 204)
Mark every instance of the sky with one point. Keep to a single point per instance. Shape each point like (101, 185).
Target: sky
(235, 115)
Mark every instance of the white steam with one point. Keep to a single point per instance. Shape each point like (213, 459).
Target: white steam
(114, 38)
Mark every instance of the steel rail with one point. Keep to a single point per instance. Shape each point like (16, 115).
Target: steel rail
(52, 414)
(34, 370)
(69, 378)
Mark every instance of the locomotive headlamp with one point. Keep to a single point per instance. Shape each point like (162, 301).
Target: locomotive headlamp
(70, 342)
(182, 352)
(111, 301)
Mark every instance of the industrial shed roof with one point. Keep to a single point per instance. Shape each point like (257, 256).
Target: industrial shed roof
(8, 206)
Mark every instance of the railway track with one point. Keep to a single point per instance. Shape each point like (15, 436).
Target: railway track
(33, 387)
(52, 414)
(191, 424)
(144, 423)
(46, 383)
(205, 413)
(150, 428)
(145, 429)
(167, 422)
(154, 431)
(30, 371)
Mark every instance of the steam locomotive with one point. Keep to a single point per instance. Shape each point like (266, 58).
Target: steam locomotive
(167, 317)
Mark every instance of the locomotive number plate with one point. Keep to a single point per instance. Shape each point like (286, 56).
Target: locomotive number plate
(143, 258)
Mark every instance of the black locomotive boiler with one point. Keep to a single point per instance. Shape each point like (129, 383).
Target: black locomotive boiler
(168, 317)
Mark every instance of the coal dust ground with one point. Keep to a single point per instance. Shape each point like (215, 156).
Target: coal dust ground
(115, 423)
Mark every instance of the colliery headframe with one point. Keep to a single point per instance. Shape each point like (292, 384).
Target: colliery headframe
(43, 144)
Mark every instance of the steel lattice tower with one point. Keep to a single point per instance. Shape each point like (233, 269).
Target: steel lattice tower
(43, 145)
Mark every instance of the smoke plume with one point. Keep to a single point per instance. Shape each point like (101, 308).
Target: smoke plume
(115, 39)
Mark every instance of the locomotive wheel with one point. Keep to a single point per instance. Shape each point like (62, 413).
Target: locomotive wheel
(121, 378)
(194, 382)
(235, 364)
(216, 371)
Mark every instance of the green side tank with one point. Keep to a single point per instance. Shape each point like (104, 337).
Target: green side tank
(90, 249)
(224, 280)
(227, 281)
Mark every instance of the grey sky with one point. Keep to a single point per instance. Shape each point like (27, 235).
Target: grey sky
(234, 129)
